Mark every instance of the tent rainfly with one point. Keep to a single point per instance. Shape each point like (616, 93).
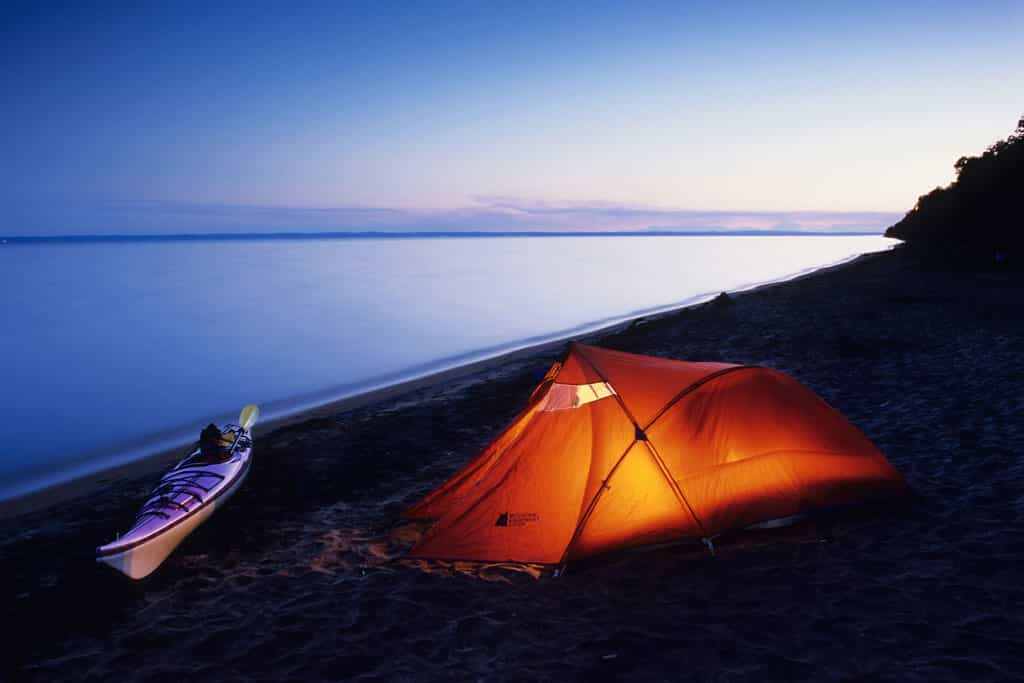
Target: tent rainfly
(615, 449)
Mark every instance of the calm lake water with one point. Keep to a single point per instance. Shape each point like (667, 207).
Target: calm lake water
(113, 350)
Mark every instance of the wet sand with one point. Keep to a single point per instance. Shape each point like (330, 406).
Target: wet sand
(300, 576)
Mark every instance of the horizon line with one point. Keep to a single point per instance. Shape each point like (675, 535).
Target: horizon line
(385, 234)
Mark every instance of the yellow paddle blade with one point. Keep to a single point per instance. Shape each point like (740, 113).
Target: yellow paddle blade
(248, 417)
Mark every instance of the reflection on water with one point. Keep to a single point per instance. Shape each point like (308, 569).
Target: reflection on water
(107, 345)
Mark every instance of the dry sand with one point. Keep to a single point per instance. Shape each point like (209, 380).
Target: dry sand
(300, 576)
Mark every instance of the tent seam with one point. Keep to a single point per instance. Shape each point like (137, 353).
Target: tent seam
(683, 502)
(694, 386)
(674, 485)
(580, 525)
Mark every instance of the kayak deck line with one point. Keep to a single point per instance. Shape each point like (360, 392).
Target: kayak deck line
(186, 495)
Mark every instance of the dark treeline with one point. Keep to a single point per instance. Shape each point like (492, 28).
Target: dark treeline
(981, 213)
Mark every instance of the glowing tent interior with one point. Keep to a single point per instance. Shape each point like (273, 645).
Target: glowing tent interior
(615, 449)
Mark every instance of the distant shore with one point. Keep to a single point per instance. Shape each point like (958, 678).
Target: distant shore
(385, 235)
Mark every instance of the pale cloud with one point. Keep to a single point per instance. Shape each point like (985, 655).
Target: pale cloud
(485, 214)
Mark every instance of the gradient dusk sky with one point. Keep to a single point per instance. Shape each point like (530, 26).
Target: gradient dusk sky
(462, 116)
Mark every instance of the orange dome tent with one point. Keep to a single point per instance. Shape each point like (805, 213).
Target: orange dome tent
(615, 449)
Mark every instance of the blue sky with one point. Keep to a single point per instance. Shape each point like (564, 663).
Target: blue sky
(463, 116)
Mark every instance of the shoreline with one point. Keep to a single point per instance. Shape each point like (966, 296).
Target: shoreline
(149, 464)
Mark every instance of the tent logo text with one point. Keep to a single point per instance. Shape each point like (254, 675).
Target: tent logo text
(517, 518)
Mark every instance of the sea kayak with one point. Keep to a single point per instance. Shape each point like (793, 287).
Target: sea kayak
(185, 498)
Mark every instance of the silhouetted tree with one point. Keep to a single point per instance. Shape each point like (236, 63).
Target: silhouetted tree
(979, 213)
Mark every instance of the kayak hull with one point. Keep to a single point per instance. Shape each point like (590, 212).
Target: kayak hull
(165, 523)
(142, 560)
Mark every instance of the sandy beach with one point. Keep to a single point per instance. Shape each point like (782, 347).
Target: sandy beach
(301, 576)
